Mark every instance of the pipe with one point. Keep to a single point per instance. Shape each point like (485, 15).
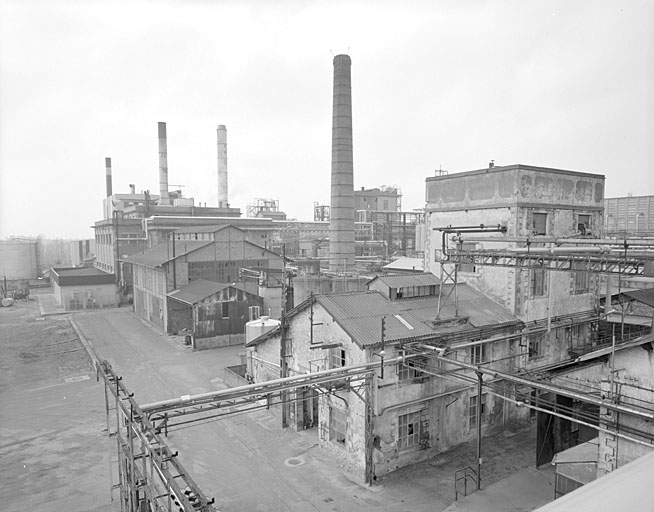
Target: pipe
(107, 164)
(540, 385)
(648, 242)
(554, 250)
(221, 133)
(163, 165)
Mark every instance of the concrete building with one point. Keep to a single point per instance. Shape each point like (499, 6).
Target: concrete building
(214, 314)
(416, 414)
(83, 288)
(172, 265)
(534, 207)
(631, 216)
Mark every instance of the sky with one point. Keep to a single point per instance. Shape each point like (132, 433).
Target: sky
(435, 85)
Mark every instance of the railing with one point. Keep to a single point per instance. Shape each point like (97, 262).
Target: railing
(464, 474)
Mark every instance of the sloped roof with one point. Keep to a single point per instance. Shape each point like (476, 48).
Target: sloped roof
(404, 263)
(211, 228)
(404, 280)
(359, 314)
(199, 290)
(163, 252)
(645, 296)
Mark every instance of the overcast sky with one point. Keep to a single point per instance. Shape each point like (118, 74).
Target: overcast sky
(442, 84)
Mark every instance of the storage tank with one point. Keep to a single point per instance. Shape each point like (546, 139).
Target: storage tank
(19, 259)
(255, 328)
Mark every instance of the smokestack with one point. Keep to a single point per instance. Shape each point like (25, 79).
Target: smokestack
(222, 166)
(107, 164)
(163, 165)
(132, 188)
(341, 224)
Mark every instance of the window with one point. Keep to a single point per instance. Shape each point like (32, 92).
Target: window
(337, 425)
(467, 267)
(583, 224)
(225, 309)
(539, 224)
(408, 430)
(534, 346)
(337, 357)
(538, 286)
(472, 410)
(478, 354)
(581, 279)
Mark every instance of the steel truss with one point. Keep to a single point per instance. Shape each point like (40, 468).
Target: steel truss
(150, 477)
(552, 261)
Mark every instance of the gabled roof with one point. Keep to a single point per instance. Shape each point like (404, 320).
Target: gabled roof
(405, 280)
(198, 290)
(404, 263)
(212, 228)
(163, 252)
(359, 314)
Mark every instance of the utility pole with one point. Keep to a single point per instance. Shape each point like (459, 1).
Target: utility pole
(480, 379)
(283, 365)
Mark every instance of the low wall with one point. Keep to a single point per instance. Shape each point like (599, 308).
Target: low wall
(226, 340)
(235, 376)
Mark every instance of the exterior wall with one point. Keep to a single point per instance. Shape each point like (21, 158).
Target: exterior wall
(633, 385)
(443, 405)
(85, 297)
(150, 288)
(19, 259)
(629, 215)
(304, 286)
(511, 196)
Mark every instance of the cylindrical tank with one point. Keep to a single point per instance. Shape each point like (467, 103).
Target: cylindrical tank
(255, 328)
(18, 259)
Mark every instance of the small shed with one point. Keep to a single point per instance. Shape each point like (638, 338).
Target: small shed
(83, 288)
(208, 309)
(575, 467)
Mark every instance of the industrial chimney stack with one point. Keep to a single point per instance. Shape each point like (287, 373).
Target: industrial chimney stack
(223, 201)
(107, 164)
(341, 225)
(163, 165)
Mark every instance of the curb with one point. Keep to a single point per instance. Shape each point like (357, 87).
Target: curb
(87, 346)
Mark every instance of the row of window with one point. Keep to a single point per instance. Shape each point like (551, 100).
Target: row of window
(411, 427)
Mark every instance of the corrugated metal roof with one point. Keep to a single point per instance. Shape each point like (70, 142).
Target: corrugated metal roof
(645, 296)
(360, 314)
(404, 280)
(199, 290)
(413, 264)
(162, 253)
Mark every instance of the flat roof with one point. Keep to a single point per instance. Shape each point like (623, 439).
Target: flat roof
(514, 167)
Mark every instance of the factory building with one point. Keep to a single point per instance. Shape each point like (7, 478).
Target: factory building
(529, 208)
(416, 414)
(80, 288)
(173, 264)
(630, 216)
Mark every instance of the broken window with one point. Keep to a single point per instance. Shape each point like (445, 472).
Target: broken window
(538, 286)
(408, 434)
(583, 224)
(539, 224)
(337, 357)
(472, 410)
(581, 278)
(534, 347)
(478, 354)
(337, 425)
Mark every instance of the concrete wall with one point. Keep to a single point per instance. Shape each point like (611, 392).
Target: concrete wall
(444, 404)
(85, 297)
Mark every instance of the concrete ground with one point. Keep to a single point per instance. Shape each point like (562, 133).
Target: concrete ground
(54, 447)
